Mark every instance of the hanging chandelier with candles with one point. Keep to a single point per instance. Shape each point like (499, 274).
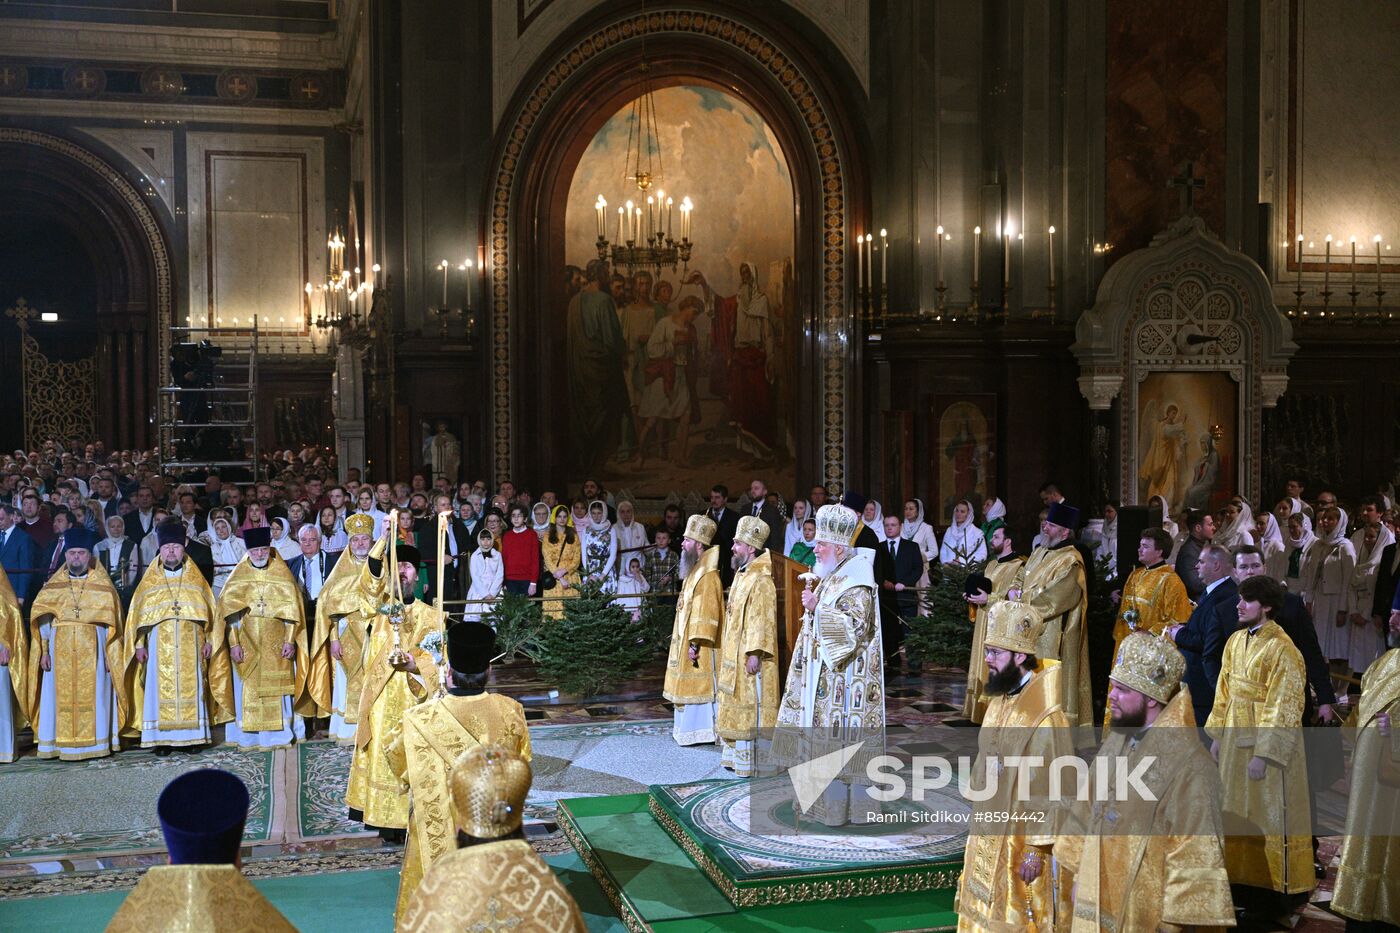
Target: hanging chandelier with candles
(644, 237)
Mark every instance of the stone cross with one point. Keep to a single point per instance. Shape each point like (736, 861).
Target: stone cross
(1189, 184)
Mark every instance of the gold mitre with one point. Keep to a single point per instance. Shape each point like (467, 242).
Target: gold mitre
(837, 524)
(702, 528)
(359, 524)
(489, 785)
(1150, 665)
(752, 530)
(1014, 627)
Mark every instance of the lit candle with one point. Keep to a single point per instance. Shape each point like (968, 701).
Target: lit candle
(1006, 256)
(870, 258)
(1052, 255)
(637, 224)
(669, 202)
(1327, 263)
(629, 221)
(976, 255)
(444, 283)
(1299, 278)
(619, 224)
(602, 205)
(884, 259)
(860, 263)
(939, 253)
(1353, 263)
(651, 216)
(1377, 240)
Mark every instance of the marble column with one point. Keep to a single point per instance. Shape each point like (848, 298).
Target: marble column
(348, 405)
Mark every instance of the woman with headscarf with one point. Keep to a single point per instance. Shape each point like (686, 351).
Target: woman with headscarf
(1236, 527)
(1295, 552)
(873, 517)
(925, 538)
(1326, 580)
(599, 543)
(1270, 538)
(1105, 540)
(992, 509)
(225, 547)
(631, 534)
(253, 517)
(1367, 635)
(539, 519)
(282, 540)
(963, 542)
(792, 532)
(1159, 509)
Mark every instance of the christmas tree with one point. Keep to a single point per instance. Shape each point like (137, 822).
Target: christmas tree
(595, 645)
(943, 637)
(517, 620)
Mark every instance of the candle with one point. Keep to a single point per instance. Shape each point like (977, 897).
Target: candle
(884, 259)
(651, 213)
(1300, 263)
(602, 206)
(1006, 256)
(939, 253)
(629, 222)
(444, 283)
(1353, 263)
(860, 263)
(1052, 255)
(637, 224)
(870, 259)
(1327, 263)
(669, 202)
(1377, 240)
(619, 224)
(976, 255)
(466, 268)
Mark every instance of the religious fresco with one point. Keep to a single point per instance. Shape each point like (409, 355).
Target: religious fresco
(1188, 438)
(964, 458)
(685, 378)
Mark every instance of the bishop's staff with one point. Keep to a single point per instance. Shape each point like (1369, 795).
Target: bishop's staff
(394, 609)
(442, 518)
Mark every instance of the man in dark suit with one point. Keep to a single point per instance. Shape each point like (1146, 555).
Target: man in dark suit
(1200, 528)
(759, 507)
(1387, 585)
(195, 521)
(898, 567)
(141, 520)
(18, 555)
(726, 523)
(311, 568)
(1202, 638)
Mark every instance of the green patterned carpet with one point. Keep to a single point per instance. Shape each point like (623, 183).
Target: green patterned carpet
(55, 809)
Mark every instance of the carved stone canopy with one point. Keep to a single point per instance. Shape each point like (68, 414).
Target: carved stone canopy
(1185, 303)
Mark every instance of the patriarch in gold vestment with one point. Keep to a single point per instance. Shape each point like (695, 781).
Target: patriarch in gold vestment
(400, 673)
(992, 587)
(175, 652)
(493, 880)
(13, 669)
(1053, 581)
(436, 733)
(344, 614)
(1154, 860)
(1368, 879)
(690, 666)
(1154, 598)
(748, 650)
(1008, 880)
(75, 643)
(262, 608)
(202, 814)
(1257, 738)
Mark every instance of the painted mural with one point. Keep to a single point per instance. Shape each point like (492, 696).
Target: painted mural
(685, 378)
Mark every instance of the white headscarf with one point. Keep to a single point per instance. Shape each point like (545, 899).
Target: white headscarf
(877, 524)
(998, 510)
(912, 528)
(1367, 561)
(964, 542)
(1272, 533)
(1168, 525)
(1339, 534)
(286, 545)
(1296, 504)
(1307, 538)
(1239, 530)
(541, 528)
(793, 533)
(598, 526)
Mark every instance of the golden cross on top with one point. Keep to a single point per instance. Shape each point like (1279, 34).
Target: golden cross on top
(22, 314)
(1188, 184)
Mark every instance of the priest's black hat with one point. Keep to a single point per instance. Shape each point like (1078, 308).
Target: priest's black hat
(854, 501)
(470, 647)
(202, 815)
(171, 531)
(408, 554)
(257, 537)
(1064, 515)
(977, 583)
(79, 538)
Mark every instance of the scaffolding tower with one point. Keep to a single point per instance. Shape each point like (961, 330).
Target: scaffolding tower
(209, 412)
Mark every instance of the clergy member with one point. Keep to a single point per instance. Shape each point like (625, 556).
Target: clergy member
(201, 816)
(1143, 864)
(343, 619)
(1008, 881)
(1367, 892)
(13, 670)
(1256, 728)
(1052, 581)
(400, 674)
(1153, 598)
(690, 667)
(493, 880)
(836, 678)
(263, 610)
(435, 733)
(176, 654)
(75, 642)
(998, 574)
(748, 650)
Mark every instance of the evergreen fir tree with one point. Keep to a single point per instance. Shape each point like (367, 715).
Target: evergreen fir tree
(944, 636)
(517, 620)
(595, 645)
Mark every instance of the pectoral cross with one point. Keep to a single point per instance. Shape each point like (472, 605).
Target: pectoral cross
(1188, 184)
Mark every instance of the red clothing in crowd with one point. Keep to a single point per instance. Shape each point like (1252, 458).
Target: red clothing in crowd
(521, 552)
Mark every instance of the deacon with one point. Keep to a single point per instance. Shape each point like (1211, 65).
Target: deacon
(748, 650)
(492, 880)
(400, 674)
(13, 657)
(262, 608)
(1052, 581)
(343, 620)
(690, 667)
(987, 589)
(176, 668)
(1256, 731)
(202, 814)
(1153, 598)
(1367, 892)
(435, 733)
(75, 642)
(836, 679)
(1143, 864)
(1008, 881)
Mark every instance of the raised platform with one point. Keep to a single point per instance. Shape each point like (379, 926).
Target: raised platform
(655, 879)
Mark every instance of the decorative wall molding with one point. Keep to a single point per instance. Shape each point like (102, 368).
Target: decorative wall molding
(150, 152)
(163, 114)
(218, 47)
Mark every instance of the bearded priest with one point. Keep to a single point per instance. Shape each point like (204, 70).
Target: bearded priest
(690, 667)
(748, 650)
(176, 668)
(76, 642)
(343, 619)
(263, 610)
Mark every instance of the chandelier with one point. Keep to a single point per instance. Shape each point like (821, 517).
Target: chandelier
(342, 295)
(644, 238)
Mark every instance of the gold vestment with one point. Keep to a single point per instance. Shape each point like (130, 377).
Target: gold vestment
(421, 755)
(263, 610)
(1002, 572)
(12, 637)
(491, 886)
(1368, 879)
(750, 627)
(1258, 711)
(73, 608)
(342, 596)
(1157, 598)
(204, 898)
(699, 616)
(1052, 580)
